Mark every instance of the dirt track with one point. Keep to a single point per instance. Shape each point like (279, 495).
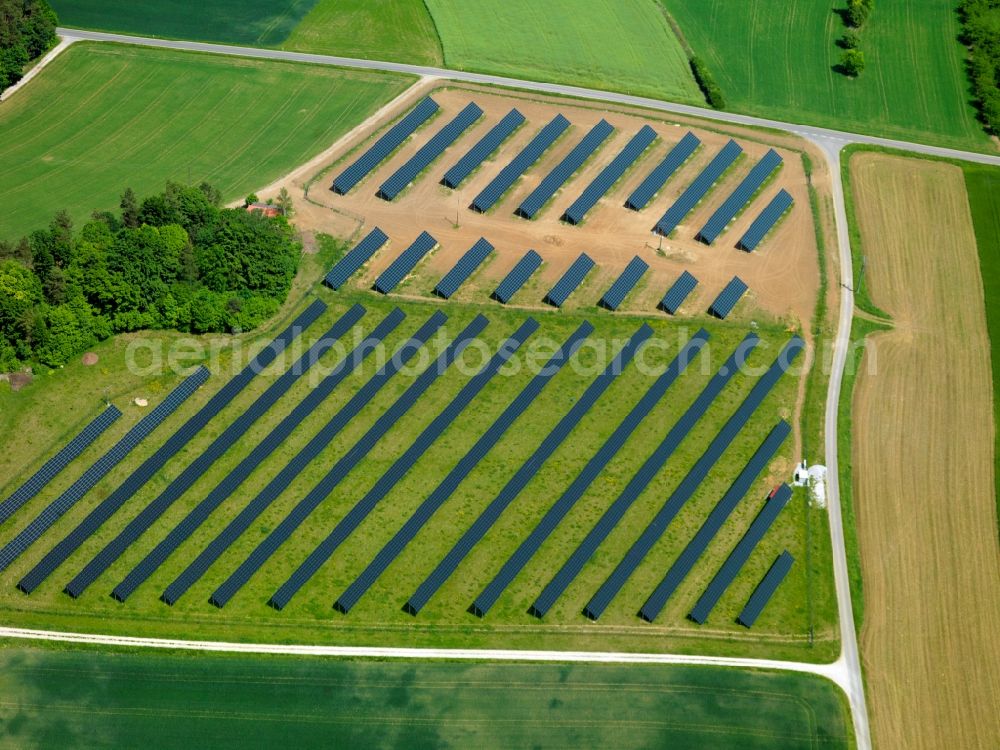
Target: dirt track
(923, 466)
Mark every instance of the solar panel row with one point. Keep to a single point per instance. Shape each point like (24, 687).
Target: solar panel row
(474, 257)
(526, 472)
(403, 266)
(569, 281)
(641, 479)
(662, 172)
(624, 284)
(564, 170)
(526, 550)
(137, 479)
(740, 554)
(652, 533)
(251, 461)
(486, 146)
(384, 146)
(518, 277)
(698, 188)
(396, 472)
(279, 483)
(609, 175)
(99, 469)
(677, 293)
(728, 297)
(743, 192)
(531, 153)
(430, 151)
(694, 549)
(360, 254)
(765, 220)
(51, 468)
(765, 589)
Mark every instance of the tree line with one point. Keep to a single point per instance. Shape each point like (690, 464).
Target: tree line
(175, 260)
(27, 31)
(981, 34)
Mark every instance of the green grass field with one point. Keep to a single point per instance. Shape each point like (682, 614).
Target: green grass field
(103, 117)
(776, 59)
(76, 697)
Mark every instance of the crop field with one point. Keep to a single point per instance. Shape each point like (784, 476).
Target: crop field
(105, 117)
(125, 700)
(923, 469)
(777, 59)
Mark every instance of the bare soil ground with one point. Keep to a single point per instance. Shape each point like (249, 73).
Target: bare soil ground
(923, 465)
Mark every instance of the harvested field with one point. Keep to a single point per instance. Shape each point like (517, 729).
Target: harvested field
(923, 465)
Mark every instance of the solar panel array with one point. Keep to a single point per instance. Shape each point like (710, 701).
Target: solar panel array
(384, 146)
(51, 468)
(518, 277)
(597, 463)
(713, 523)
(491, 514)
(474, 257)
(652, 533)
(99, 469)
(765, 220)
(698, 188)
(137, 479)
(728, 297)
(624, 284)
(224, 489)
(396, 472)
(641, 479)
(765, 589)
(531, 153)
(609, 175)
(677, 293)
(403, 266)
(731, 206)
(564, 170)
(570, 280)
(355, 258)
(430, 151)
(740, 554)
(486, 146)
(662, 172)
(279, 483)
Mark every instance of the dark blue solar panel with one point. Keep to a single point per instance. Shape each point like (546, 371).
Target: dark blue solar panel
(728, 297)
(396, 472)
(474, 257)
(766, 220)
(384, 146)
(430, 151)
(610, 175)
(662, 172)
(586, 477)
(641, 479)
(403, 266)
(698, 188)
(748, 186)
(128, 489)
(570, 280)
(99, 469)
(564, 170)
(241, 522)
(624, 284)
(526, 472)
(652, 533)
(486, 146)
(517, 277)
(531, 153)
(677, 293)
(765, 589)
(51, 468)
(713, 523)
(355, 258)
(737, 558)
